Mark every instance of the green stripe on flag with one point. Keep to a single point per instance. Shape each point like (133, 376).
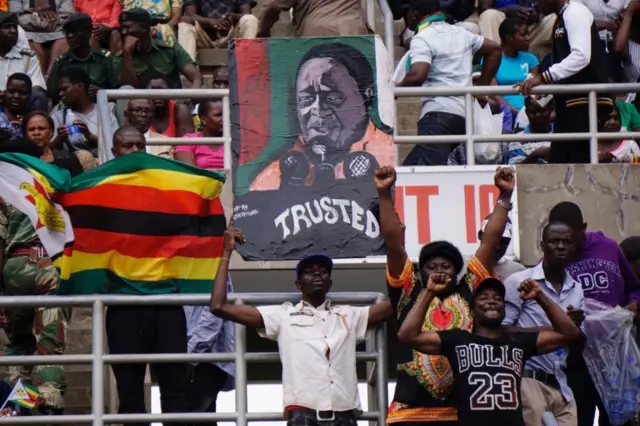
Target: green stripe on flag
(103, 281)
(136, 162)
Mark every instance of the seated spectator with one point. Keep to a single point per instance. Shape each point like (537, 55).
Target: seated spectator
(96, 62)
(139, 113)
(165, 14)
(42, 20)
(170, 118)
(18, 58)
(607, 15)
(77, 123)
(317, 18)
(539, 112)
(516, 63)
(207, 333)
(205, 156)
(211, 23)
(104, 19)
(220, 81)
(493, 12)
(143, 56)
(441, 56)
(627, 42)
(15, 105)
(38, 128)
(615, 150)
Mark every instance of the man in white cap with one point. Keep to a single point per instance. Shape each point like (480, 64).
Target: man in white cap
(504, 267)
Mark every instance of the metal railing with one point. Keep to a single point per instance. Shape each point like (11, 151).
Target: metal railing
(104, 96)
(375, 356)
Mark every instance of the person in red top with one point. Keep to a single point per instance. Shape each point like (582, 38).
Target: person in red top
(104, 15)
(170, 119)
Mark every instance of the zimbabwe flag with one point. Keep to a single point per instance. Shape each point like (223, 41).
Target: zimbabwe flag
(141, 225)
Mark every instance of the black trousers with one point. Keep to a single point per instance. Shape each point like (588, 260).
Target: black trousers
(435, 123)
(204, 386)
(586, 395)
(574, 119)
(146, 330)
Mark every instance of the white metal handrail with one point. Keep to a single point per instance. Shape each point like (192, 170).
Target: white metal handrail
(375, 356)
(104, 96)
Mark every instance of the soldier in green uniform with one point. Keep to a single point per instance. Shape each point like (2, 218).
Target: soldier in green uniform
(143, 56)
(98, 63)
(26, 271)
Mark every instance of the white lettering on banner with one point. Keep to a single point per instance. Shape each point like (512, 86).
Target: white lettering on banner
(445, 204)
(330, 211)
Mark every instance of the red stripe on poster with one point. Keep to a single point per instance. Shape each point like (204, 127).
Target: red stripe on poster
(254, 88)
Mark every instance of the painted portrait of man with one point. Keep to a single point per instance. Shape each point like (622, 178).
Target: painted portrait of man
(332, 96)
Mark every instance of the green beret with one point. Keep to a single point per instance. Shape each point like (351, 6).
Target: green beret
(137, 15)
(77, 20)
(6, 17)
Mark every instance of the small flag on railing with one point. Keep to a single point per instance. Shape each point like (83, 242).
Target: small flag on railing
(23, 394)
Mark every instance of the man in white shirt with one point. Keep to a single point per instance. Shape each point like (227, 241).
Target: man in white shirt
(17, 57)
(544, 384)
(441, 55)
(139, 113)
(317, 340)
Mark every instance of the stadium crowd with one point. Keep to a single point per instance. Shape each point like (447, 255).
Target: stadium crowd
(55, 56)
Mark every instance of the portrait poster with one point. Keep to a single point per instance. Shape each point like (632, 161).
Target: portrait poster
(311, 120)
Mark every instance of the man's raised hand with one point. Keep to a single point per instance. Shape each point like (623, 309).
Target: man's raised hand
(529, 290)
(384, 178)
(438, 283)
(505, 180)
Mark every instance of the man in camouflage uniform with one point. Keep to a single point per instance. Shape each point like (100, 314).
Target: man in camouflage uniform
(27, 271)
(96, 62)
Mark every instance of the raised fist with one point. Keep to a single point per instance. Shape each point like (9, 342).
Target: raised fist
(438, 283)
(384, 178)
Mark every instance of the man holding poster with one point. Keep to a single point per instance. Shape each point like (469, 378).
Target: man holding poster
(308, 182)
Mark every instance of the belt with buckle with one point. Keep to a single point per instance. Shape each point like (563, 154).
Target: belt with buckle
(541, 376)
(317, 415)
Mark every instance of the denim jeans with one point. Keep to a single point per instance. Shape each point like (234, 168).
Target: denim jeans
(435, 123)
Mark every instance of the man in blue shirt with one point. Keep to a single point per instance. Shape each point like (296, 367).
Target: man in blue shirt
(544, 384)
(207, 333)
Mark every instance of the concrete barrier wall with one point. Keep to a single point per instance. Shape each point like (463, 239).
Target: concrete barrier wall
(609, 196)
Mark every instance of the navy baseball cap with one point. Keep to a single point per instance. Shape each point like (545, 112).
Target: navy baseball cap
(314, 259)
(490, 283)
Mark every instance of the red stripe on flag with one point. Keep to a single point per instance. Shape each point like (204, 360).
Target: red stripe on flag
(254, 96)
(143, 198)
(143, 246)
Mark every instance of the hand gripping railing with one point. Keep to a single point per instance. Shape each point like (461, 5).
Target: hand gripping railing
(376, 353)
(468, 92)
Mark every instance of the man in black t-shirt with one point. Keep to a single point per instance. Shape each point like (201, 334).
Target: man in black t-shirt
(487, 363)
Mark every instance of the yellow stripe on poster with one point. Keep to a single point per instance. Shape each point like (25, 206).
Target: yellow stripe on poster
(168, 180)
(145, 269)
(43, 180)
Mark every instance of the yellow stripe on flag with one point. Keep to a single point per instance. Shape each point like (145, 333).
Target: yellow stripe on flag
(145, 269)
(168, 180)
